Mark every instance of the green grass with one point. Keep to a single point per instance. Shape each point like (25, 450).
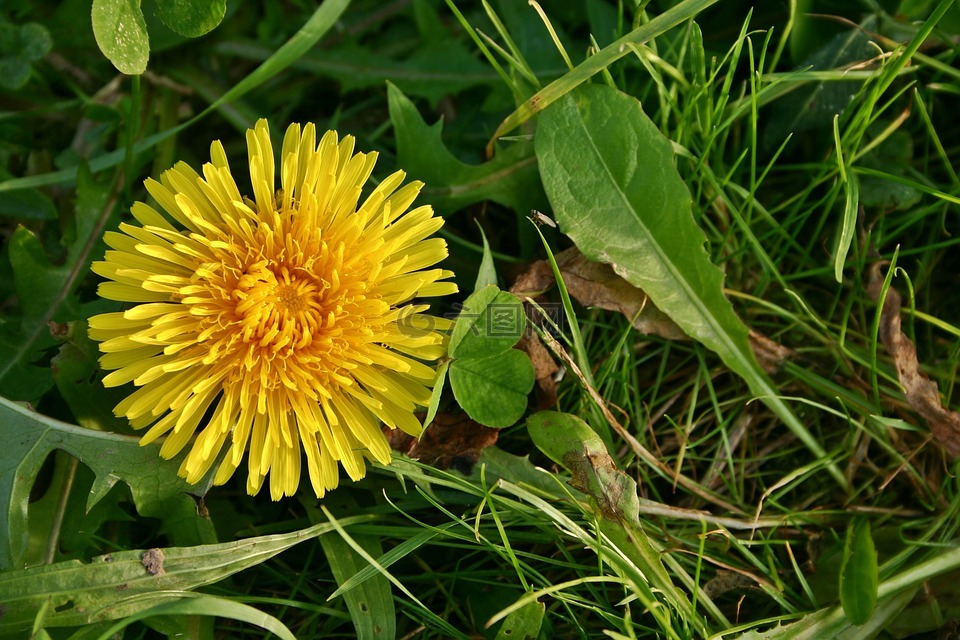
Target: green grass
(813, 149)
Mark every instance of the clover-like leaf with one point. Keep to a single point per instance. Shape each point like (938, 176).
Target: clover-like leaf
(191, 19)
(493, 390)
(490, 322)
(121, 34)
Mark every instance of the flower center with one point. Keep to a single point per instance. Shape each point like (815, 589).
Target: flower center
(296, 296)
(277, 308)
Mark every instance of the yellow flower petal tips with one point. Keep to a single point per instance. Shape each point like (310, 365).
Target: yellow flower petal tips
(275, 326)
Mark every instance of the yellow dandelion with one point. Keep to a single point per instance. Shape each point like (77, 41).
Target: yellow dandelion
(277, 323)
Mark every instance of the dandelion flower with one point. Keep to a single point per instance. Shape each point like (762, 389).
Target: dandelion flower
(276, 324)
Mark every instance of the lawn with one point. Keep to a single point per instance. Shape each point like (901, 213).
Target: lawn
(497, 319)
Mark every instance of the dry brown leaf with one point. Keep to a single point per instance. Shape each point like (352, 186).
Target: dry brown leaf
(594, 284)
(451, 441)
(544, 368)
(769, 353)
(922, 393)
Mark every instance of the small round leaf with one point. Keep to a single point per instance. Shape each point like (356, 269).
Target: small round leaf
(493, 390)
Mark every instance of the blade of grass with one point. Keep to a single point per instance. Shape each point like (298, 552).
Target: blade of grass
(594, 64)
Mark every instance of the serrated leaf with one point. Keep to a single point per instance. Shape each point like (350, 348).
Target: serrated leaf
(121, 34)
(191, 19)
(510, 178)
(46, 293)
(493, 390)
(859, 573)
(118, 585)
(21, 376)
(28, 439)
(490, 322)
(77, 376)
(614, 189)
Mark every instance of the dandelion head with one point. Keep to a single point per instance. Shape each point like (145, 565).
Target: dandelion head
(278, 326)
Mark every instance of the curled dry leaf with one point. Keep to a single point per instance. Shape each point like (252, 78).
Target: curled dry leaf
(594, 284)
(769, 353)
(451, 441)
(922, 393)
(544, 368)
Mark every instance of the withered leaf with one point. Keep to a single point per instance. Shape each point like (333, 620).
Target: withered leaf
(544, 368)
(769, 353)
(451, 441)
(921, 392)
(594, 284)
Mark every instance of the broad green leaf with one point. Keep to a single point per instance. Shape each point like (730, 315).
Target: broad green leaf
(524, 623)
(498, 464)
(813, 107)
(121, 584)
(21, 375)
(573, 444)
(466, 323)
(490, 322)
(859, 573)
(510, 178)
(121, 34)
(493, 390)
(370, 603)
(614, 189)
(892, 156)
(191, 19)
(29, 438)
(63, 506)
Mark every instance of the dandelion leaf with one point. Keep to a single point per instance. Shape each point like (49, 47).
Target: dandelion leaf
(154, 486)
(45, 292)
(509, 179)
